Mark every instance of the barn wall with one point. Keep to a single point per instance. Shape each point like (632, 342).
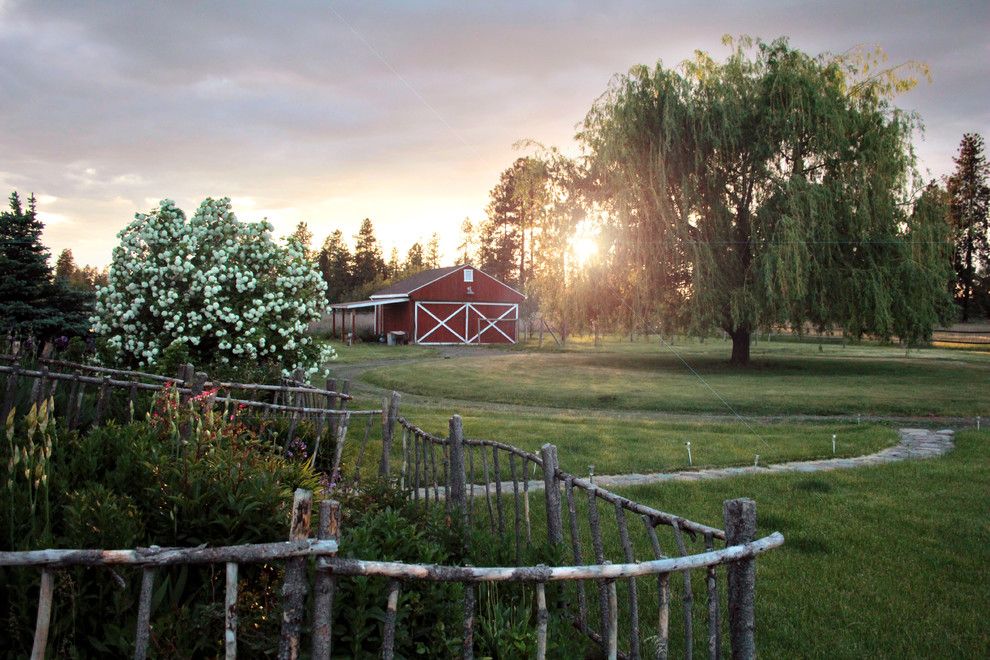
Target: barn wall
(452, 287)
(398, 318)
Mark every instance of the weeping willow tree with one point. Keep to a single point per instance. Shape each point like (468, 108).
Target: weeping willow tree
(773, 187)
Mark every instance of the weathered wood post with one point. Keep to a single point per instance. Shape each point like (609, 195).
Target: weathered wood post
(740, 527)
(44, 618)
(199, 382)
(230, 613)
(294, 587)
(458, 478)
(390, 412)
(555, 528)
(325, 584)
(186, 373)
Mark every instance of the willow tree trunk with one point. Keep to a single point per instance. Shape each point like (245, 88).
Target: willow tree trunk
(740, 346)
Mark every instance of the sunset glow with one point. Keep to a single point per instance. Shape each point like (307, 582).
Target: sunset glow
(403, 114)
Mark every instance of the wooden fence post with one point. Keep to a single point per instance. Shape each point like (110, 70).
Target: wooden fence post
(390, 413)
(740, 527)
(294, 588)
(325, 584)
(44, 614)
(199, 382)
(185, 374)
(458, 479)
(555, 529)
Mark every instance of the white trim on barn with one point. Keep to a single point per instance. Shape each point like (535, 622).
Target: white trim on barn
(466, 309)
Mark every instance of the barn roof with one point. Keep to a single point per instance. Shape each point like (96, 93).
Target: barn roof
(413, 282)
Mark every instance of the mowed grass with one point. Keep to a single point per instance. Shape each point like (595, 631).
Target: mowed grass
(785, 378)
(889, 561)
(619, 446)
(881, 562)
(370, 351)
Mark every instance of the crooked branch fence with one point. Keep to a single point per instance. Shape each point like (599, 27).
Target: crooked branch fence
(618, 598)
(488, 483)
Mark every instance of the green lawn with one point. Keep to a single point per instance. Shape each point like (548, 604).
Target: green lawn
(785, 378)
(617, 446)
(368, 351)
(889, 561)
(881, 562)
(885, 561)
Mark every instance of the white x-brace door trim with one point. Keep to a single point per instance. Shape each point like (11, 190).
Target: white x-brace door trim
(467, 308)
(443, 323)
(491, 324)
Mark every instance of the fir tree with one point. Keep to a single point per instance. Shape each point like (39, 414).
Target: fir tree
(335, 265)
(30, 302)
(369, 265)
(432, 256)
(414, 259)
(969, 202)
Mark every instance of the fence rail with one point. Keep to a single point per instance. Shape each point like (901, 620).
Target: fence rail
(484, 484)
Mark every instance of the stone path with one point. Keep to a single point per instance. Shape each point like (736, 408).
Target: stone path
(914, 444)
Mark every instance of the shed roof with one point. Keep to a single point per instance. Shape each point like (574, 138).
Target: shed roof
(365, 303)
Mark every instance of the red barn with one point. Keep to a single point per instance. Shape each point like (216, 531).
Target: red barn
(454, 305)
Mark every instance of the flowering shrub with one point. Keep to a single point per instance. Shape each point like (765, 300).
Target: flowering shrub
(220, 288)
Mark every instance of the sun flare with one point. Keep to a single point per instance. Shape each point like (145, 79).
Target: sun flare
(584, 243)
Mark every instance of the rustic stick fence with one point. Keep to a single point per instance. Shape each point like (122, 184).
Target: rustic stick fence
(488, 483)
(620, 596)
(738, 555)
(92, 396)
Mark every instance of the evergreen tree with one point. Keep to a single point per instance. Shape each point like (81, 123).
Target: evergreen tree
(466, 247)
(432, 257)
(335, 265)
(414, 259)
(969, 202)
(30, 302)
(65, 267)
(369, 265)
(305, 237)
(515, 211)
(500, 238)
(394, 267)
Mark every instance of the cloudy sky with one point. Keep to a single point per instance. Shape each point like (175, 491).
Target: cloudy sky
(330, 112)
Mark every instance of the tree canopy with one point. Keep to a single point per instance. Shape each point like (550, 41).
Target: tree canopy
(772, 187)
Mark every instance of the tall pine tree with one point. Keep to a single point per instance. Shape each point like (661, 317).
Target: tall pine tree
(335, 265)
(969, 202)
(369, 265)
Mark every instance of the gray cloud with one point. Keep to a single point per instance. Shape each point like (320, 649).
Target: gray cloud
(290, 104)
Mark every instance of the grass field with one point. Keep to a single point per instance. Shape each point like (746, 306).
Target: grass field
(367, 351)
(786, 378)
(617, 446)
(884, 561)
(887, 561)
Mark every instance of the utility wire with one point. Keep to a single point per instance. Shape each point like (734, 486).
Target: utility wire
(402, 79)
(713, 391)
